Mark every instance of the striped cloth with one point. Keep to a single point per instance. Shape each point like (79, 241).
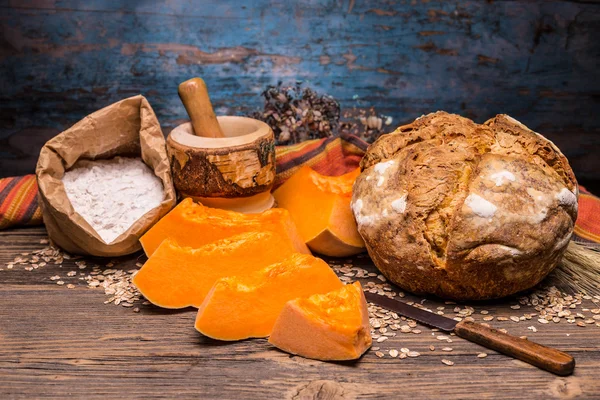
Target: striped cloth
(587, 227)
(330, 156)
(19, 202)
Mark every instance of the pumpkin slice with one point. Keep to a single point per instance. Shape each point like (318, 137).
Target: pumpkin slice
(331, 326)
(177, 277)
(240, 307)
(320, 207)
(194, 225)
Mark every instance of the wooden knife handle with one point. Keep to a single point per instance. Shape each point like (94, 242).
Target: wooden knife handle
(194, 96)
(543, 357)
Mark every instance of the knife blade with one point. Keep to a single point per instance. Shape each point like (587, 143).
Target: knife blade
(412, 312)
(549, 359)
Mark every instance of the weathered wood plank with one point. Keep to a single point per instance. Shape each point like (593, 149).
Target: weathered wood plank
(536, 60)
(58, 342)
(58, 338)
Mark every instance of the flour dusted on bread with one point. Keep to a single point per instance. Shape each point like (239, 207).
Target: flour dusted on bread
(462, 210)
(112, 194)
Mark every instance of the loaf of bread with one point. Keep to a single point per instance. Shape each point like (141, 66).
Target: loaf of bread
(465, 211)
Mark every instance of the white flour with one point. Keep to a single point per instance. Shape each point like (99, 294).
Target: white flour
(480, 206)
(112, 194)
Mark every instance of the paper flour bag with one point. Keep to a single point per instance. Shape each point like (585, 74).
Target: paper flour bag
(129, 129)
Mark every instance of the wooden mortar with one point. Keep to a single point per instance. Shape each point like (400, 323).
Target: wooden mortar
(235, 172)
(222, 162)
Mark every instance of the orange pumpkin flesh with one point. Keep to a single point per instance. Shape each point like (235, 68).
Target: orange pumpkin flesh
(178, 277)
(194, 225)
(331, 326)
(320, 208)
(240, 307)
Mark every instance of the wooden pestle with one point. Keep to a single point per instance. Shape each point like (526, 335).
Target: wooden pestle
(194, 96)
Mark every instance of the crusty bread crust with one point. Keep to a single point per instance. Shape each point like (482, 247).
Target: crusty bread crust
(465, 211)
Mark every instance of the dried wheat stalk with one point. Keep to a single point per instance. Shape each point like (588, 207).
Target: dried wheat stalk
(580, 269)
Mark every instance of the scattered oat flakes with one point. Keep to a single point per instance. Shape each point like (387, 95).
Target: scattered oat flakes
(482, 355)
(447, 362)
(393, 353)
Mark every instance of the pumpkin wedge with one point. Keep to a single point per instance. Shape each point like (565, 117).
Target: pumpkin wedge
(177, 276)
(194, 225)
(331, 326)
(320, 207)
(240, 307)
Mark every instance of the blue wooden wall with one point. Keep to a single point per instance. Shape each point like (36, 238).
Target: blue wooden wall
(538, 61)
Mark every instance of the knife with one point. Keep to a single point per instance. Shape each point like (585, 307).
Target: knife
(543, 357)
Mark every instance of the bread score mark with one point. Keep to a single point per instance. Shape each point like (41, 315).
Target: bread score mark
(381, 167)
(399, 205)
(567, 198)
(499, 177)
(361, 218)
(480, 206)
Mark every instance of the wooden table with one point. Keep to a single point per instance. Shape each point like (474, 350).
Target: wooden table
(59, 342)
